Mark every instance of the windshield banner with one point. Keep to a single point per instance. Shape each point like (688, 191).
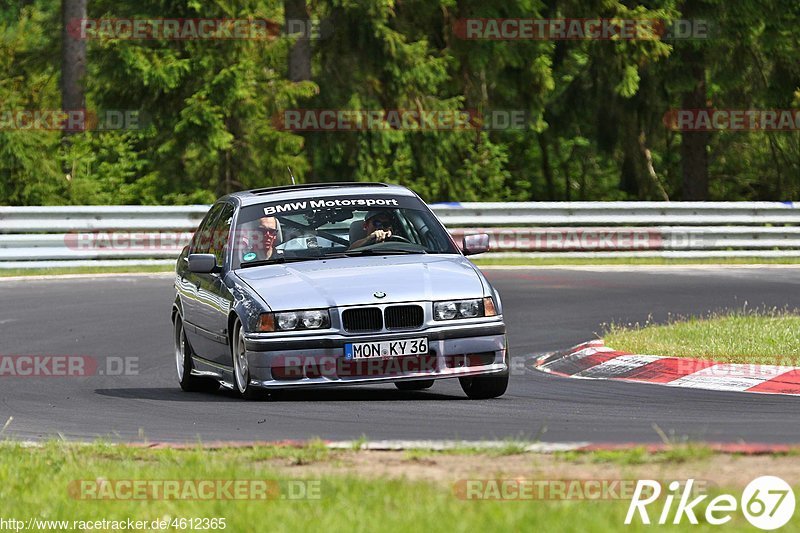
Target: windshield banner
(358, 203)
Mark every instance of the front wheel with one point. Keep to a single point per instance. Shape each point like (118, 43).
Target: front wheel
(183, 364)
(485, 387)
(241, 367)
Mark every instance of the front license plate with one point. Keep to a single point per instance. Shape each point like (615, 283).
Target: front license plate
(369, 350)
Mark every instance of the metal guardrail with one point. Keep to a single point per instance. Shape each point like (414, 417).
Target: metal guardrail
(35, 237)
(618, 213)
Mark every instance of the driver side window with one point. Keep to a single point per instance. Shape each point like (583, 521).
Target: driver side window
(201, 240)
(219, 234)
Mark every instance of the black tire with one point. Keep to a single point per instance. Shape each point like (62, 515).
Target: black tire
(414, 385)
(184, 365)
(485, 387)
(241, 368)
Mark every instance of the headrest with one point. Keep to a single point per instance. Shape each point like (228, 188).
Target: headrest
(357, 230)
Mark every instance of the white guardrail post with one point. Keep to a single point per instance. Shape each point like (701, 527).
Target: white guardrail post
(36, 237)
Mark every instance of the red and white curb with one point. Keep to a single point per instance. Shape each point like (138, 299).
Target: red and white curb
(594, 360)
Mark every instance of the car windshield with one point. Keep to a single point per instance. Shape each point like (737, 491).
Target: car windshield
(318, 228)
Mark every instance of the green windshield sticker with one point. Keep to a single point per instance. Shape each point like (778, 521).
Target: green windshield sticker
(249, 256)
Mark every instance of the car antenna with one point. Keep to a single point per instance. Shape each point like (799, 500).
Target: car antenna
(291, 175)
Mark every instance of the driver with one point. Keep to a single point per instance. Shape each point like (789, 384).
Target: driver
(261, 244)
(378, 227)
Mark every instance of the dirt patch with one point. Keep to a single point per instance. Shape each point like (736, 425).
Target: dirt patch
(719, 469)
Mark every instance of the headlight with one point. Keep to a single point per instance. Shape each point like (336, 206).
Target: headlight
(461, 309)
(294, 320)
(445, 310)
(469, 308)
(287, 321)
(313, 319)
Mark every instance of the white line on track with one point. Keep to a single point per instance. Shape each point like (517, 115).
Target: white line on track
(157, 275)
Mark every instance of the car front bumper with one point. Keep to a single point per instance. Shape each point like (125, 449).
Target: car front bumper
(455, 350)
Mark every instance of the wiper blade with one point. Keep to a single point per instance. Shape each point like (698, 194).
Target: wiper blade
(372, 251)
(399, 252)
(258, 263)
(280, 259)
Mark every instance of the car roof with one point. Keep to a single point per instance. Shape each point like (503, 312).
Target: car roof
(317, 190)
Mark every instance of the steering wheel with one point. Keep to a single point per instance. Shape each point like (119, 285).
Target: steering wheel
(397, 238)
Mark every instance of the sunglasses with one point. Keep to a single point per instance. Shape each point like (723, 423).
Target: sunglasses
(380, 224)
(270, 231)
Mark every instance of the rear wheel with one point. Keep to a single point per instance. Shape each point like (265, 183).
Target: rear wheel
(241, 367)
(414, 385)
(485, 387)
(184, 365)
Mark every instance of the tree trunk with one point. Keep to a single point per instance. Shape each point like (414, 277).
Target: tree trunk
(296, 14)
(547, 171)
(631, 180)
(73, 59)
(694, 144)
(651, 170)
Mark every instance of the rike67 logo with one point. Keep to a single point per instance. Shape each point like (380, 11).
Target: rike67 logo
(767, 503)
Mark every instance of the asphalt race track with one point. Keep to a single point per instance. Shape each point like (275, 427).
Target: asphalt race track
(546, 309)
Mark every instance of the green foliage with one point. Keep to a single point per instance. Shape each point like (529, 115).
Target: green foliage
(28, 81)
(593, 109)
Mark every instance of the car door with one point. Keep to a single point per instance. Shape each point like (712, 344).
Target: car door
(189, 285)
(213, 296)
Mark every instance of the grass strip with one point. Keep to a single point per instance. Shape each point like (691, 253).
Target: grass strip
(37, 483)
(765, 336)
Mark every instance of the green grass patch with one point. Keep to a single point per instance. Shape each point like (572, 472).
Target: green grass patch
(641, 455)
(761, 337)
(507, 447)
(579, 261)
(312, 452)
(37, 481)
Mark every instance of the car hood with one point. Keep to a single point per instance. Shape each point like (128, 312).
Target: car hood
(355, 280)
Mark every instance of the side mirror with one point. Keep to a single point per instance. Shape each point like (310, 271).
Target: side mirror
(202, 263)
(475, 244)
